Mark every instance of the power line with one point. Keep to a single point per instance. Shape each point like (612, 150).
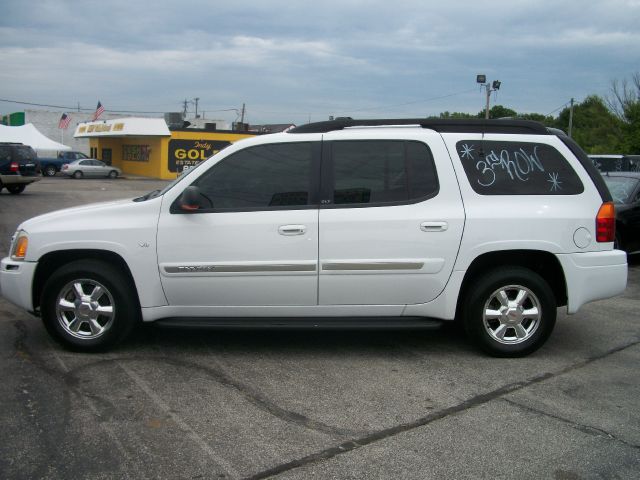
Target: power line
(559, 108)
(384, 107)
(76, 108)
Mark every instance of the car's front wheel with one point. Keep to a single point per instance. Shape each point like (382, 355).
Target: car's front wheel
(50, 171)
(509, 312)
(89, 305)
(113, 174)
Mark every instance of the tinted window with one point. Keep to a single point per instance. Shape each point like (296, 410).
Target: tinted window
(24, 153)
(517, 168)
(277, 175)
(5, 153)
(86, 162)
(381, 172)
(621, 188)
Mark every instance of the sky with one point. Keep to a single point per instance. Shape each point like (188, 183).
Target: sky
(298, 61)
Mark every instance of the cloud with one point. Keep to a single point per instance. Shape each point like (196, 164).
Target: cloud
(315, 57)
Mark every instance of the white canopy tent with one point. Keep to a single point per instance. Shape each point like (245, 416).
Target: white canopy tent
(29, 135)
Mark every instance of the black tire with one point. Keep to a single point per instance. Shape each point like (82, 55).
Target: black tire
(117, 292)
(522, 331)
(113, 174)
(49, 171)
(78, 174)
(16, 189)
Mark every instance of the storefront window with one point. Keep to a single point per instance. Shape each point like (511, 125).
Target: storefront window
(136, 153)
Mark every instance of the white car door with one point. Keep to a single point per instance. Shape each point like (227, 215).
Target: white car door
(254, 242)
(391, 219)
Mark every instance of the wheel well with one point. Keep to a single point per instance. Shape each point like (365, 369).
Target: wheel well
(543, 263)
(50, 262)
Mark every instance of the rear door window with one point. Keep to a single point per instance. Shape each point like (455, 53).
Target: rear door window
(378, 172)
(5, 153)
(517, 168)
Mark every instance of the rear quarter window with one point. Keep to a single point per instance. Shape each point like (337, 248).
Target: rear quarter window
(24, 154)
(517, 168)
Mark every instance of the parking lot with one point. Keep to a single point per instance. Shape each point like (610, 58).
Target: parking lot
(314, 404)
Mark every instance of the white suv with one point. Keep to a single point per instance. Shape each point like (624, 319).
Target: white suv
(346, 222)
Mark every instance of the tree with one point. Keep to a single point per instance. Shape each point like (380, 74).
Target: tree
(448, 114)
(547, 120)
(498, 111)
(624, 102)
(595, 128)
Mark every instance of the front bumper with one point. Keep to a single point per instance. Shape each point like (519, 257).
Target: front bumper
(593, 276)
(17, 179)
(16, 282)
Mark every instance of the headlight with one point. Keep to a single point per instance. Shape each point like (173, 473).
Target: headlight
(19, 245)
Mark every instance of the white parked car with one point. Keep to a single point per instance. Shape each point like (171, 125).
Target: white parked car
(89, 168)
(346, 222)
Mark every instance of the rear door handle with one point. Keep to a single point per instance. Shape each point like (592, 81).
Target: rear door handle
(292, 229)
(434, 226)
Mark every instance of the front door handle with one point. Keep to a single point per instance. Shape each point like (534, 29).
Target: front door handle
(434, 226)
(292, 229)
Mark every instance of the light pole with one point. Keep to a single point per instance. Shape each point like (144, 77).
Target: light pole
(493, 87)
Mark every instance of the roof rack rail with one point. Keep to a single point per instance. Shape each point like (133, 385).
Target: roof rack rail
(440, 125)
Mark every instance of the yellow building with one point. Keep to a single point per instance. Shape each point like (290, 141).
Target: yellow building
(147, 147)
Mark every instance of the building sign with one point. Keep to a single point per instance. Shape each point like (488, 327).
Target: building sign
(135, 153)
(102, 127)
(185, 154)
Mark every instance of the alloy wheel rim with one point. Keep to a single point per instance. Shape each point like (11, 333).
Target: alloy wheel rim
(512, 314)
(85, 309)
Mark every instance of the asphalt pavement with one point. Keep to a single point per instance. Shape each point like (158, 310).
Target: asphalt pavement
(306, 404)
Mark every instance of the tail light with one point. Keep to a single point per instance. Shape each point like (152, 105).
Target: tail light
(606, 223)
(14, 167)
(65, 166)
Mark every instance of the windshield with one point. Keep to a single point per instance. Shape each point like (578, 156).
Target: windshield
(621, 188)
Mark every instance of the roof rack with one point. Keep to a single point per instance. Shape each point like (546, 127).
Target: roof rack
(440, 125)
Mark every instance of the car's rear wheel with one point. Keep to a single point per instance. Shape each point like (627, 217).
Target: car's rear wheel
(16, 189)
(113, 174)
(509, 312)
(89, 305)
(77, 174)
(50, 171)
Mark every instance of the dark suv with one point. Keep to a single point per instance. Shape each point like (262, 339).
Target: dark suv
(19, 167)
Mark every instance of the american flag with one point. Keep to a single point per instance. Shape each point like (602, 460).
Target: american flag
(64, 121)
(99, 111)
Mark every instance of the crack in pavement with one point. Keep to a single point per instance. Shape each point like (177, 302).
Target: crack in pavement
(588, 429)
(252, 396)
(471, 403)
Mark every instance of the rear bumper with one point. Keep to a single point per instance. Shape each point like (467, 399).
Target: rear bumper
(593, 276)
(17, 179)
(16, 281)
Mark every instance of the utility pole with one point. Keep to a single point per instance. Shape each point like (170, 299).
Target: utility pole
(571, 118)
(78, 106)
(486, 110)
(242, 115)
(184, 108)
(196, 102)
(491, 87)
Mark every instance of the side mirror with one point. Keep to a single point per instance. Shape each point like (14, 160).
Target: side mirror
(190, 199)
